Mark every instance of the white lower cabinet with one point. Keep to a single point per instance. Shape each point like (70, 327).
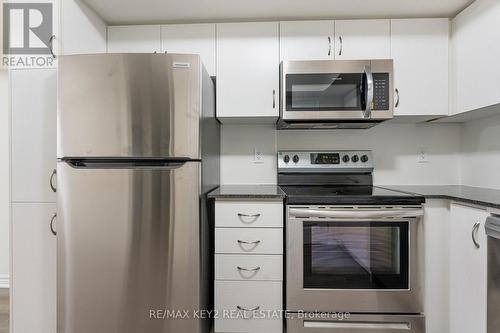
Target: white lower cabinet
(468, 268)
(249, 240)
(249, 268)
(248, 306)
(33, 268)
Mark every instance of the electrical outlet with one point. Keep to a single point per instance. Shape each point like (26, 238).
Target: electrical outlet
(258, 156)
(422, 156)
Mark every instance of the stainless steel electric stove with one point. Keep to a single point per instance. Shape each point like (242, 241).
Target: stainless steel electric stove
(351, 247)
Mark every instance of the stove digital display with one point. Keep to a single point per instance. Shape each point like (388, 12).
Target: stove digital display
(325, 158)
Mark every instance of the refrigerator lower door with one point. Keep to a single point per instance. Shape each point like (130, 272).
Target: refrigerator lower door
(128, 249)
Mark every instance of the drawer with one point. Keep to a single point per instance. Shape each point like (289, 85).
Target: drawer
(248, 240)
(266, 295)
(249, 214)
(355, 323)
(249, 267)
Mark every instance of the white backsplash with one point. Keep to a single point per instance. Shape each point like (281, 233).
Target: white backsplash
(396, 148)
(480, 153)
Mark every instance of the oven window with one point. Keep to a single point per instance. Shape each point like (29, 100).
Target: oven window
(325, 92)
(356, 255)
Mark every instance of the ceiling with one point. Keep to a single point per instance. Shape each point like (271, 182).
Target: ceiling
(191, 11)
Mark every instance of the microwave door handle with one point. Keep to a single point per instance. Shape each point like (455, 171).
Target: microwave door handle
(369, 92)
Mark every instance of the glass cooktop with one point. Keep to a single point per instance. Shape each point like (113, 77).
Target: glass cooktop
(348, 195)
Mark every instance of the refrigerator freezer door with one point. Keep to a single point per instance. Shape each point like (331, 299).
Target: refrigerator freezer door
(128, 245)
(129, 105)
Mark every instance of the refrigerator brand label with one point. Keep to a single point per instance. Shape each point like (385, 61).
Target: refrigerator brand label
(182, 65)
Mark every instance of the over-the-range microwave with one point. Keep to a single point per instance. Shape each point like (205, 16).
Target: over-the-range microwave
(323, 94)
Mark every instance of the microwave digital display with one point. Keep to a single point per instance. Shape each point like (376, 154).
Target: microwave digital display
(325, 158)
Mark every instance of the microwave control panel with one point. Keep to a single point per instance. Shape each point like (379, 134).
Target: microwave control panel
(380, 91)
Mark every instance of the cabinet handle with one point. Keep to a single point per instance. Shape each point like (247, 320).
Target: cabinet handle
(52, 220)
(475, 229)
(329, 45)
(274, 98)
(248, 215)
(51, 45)
(397, 98)
(341, 45)
(51, 181)
(249, 243)
(245, 309)
(248, 269)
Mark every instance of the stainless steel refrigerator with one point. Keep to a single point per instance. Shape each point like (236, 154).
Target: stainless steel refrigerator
(138, 149)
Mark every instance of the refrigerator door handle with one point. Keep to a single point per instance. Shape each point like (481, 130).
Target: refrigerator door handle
(132, 164)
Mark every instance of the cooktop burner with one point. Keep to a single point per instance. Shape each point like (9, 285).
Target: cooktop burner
(334, 177)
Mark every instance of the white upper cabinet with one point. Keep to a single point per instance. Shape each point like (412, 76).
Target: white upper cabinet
(33, 104)
(419, 48)
(81, 30)
(134, 39)
(475, 56)
(362, 39)
(468, 270)
(247, 70)
(307, 40)
(191, 38)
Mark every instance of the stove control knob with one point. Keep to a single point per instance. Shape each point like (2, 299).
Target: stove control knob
(355, 158)
(364, 158)
(286, 158)
(295, 159)
(346, 158)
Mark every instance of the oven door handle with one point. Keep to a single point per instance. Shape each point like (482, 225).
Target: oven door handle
(355, 214)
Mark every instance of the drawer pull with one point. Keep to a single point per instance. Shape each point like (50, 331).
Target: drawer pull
(245, 309)
(249, 243)
(248, 269)
(248, 215)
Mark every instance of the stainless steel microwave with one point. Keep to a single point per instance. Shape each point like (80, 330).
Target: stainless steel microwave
(335, 93)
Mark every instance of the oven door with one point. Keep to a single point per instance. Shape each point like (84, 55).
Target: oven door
(336, 90)
(354, 259)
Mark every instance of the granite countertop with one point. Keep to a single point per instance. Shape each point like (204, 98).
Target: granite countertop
(473, 195)
(247, 192)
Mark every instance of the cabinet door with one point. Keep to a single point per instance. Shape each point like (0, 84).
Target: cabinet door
(33, 268)
(468, 264)
(134, 39)
(33, 98)
(419, 48)
(476, 54)
(307, 40)
(191, 38)
(247, 70)
(362, 39)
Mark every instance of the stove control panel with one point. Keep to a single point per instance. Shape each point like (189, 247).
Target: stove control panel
(325, 161)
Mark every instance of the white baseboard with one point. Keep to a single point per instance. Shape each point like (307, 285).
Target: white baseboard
(4, 281)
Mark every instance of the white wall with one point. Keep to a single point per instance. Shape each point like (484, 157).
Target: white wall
(395, 146)
(4, 173)
(480, 153)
